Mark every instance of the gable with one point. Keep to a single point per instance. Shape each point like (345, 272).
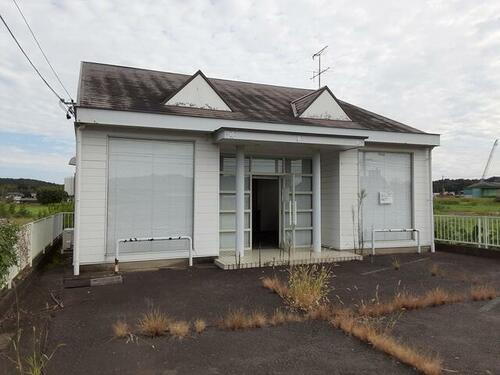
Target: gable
(198, 93)
(325, 107)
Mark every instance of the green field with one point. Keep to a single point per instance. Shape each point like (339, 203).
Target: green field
(25, 212)
(466, 206)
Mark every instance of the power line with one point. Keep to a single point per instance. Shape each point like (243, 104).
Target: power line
(61, 100)
(41, 50)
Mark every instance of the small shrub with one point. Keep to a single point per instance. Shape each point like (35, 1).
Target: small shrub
(121, 329)
(308, 287)
(153, 323)
(199, 325)
(179, 329)
(483, 292)
(9, 236)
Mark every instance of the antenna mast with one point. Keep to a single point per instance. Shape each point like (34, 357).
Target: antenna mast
(319, 72)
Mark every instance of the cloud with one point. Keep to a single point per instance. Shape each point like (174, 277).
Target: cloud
(434, 65)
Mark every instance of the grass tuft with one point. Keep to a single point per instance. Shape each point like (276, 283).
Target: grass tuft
(408, 301)
(121, 329)
(153, 323)
(308, 286)
(199, 325)
(483, 292)
(257, 319)
(275, 285)
(179, 329)
(235, 320)
(396, 264)
(435, 270)
(322, 312)
(366, 332)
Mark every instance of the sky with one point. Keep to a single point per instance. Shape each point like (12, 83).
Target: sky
(434, 65)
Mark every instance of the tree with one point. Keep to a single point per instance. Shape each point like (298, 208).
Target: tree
(53, 194)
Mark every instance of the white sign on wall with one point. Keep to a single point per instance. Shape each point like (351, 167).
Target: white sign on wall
(385, 197)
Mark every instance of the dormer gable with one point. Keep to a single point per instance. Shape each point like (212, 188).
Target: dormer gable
(319, 104)
(198, 92)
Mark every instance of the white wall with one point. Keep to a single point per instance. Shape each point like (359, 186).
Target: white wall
(325, 107)
(339, 193)
(93, 190)
(198, 94)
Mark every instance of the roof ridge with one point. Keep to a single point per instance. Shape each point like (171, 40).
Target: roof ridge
(189, 75)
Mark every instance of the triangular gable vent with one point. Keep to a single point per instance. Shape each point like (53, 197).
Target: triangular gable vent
(320, 104)
(198, 92)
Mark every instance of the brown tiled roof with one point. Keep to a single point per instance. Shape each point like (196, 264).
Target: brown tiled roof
(132, 89)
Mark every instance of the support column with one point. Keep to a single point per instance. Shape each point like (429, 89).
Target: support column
(316, 184)
(240, 200)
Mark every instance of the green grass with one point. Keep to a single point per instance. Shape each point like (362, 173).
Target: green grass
(466, 206)
(25, 212)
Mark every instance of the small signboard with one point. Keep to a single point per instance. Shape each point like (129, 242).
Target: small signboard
(385, 197)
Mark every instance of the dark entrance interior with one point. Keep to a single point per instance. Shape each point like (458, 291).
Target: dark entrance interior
(265, 212)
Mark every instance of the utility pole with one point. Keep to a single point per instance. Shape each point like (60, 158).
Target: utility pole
(319, 72)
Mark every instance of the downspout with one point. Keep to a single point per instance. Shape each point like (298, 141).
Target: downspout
(76, 248)
(431, 202)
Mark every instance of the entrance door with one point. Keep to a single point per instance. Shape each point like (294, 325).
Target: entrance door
(265, 212)
(288, 212)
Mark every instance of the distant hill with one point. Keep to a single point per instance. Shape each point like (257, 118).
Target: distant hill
(22, 185)
(458, 184)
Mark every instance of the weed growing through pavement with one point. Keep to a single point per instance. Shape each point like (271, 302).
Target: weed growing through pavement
(153, 323)
(179, 329)
(199, 325)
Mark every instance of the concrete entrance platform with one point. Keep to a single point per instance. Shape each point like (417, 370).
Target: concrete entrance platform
(276, 257)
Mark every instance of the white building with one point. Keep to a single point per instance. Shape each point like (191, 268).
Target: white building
(238, 166)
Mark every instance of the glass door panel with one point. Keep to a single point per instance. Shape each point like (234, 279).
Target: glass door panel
(288, 211)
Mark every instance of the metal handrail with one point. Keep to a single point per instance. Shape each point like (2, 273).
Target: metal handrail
(395, 231)
(150, 239)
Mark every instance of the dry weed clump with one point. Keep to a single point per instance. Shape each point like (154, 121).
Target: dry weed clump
(322, 312)
(435, 270)
(408, 301)
(396, 264)
(483, 292)
(179, 329)
(257, 319)
(281, 317)
(121, 329)
(153, 323)
(199, 325)
(366, 332)
(308, 287)
(276, 285)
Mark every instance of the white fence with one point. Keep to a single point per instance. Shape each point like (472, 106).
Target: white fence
(482, 231)
(35, 237)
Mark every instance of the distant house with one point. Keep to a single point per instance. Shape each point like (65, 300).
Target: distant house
(483, 189)
(238, 167)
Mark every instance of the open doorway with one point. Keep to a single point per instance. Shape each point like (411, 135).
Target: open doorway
(265, 212)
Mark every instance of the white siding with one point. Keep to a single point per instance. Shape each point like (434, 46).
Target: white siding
(339, 193)
(330, 217)
(325, 107)
(93, 190)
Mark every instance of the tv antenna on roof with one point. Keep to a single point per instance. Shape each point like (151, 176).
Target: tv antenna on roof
(319, 72)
